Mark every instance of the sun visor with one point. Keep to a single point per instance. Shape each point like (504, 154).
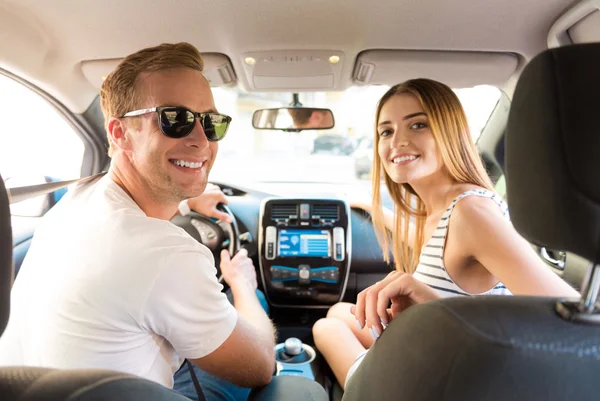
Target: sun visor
(587, 30)
(579, 24)
(455, 69)
(217, 69)
(293, 70)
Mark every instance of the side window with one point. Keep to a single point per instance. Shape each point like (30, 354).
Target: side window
(37, 145)
(35, 139)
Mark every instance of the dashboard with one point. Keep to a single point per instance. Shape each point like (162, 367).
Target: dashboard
(310, 252)
(314, 245)
(304, 251)
(365, 260)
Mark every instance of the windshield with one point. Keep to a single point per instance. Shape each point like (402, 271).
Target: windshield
(340, 155)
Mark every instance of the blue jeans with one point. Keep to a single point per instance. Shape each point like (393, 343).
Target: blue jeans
(213, 387)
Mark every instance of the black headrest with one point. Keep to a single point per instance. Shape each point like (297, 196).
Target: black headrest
(6, 259)
(553, 151)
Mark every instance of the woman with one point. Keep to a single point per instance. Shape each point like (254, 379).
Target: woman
(450, 234)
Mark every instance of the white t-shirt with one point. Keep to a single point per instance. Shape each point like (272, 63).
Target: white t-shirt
(105, 286)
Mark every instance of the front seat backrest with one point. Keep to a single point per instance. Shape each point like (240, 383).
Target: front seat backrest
(6, 266)
(515, 348)
(553, 151)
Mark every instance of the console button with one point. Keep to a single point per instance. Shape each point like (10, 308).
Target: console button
(270, 238)
(304, 274)
(270, 250)
(339, 242)
(284, 273)
(329, 274)
(275, 273)
(304, 211)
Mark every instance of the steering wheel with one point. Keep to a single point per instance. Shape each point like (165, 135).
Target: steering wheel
(214, 235)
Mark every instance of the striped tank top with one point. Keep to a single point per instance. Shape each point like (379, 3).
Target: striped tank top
(431, 269)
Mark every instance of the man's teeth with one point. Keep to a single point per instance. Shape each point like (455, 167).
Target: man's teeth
(183, 163)
(403, 159)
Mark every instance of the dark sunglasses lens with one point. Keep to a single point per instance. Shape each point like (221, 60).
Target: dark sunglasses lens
(176, 122)
(215, 126)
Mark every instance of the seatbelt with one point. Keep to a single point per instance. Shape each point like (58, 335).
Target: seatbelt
(199, 392)
(20, 194)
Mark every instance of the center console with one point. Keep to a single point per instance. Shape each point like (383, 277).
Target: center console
(304, 251)
(295, 359)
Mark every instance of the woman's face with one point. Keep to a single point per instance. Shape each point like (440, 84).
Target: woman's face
(406, 147)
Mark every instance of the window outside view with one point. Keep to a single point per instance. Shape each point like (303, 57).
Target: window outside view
(36, 141)
(342, 154)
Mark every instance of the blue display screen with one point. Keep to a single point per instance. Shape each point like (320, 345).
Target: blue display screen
(307, 243)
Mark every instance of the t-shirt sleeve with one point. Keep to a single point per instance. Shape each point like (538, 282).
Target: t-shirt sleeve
(186, 304)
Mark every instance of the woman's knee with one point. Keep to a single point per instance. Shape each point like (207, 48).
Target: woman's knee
(341, 310)
(325, 329)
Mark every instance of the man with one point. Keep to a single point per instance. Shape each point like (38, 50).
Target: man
(309, 118)
(108, 281)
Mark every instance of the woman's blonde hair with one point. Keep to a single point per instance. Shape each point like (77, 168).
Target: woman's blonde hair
(119, 93)
(448, 123)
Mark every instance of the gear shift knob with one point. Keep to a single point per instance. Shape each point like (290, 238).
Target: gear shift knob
(293, 346)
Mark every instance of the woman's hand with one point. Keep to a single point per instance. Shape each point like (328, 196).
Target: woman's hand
(401, 289)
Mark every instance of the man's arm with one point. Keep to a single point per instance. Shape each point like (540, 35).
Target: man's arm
(248, 306)
(247, 357)
(187, 307)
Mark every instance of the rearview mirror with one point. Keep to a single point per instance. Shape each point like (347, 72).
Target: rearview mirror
(293, 119)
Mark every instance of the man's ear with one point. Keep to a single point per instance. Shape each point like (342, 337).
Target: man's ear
(315, 119)
(117, 131)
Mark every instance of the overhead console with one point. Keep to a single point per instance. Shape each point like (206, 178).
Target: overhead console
(293, 70)
(304, 251)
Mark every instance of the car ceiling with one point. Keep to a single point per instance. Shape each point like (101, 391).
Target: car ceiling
(46, 42)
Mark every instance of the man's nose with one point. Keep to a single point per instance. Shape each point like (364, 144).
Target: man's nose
(197, 138)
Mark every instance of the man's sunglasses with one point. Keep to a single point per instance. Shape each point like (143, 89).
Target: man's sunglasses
(178, 122)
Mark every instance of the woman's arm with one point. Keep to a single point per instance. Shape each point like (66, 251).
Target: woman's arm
(492, 240)
(388, 216)
(365, 204)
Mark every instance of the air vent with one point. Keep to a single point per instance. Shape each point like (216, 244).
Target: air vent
(326, 212)
(282, 211)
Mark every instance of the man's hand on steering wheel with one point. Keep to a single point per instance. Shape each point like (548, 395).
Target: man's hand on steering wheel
(238, 271)
(206, 204)
(213, 204)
